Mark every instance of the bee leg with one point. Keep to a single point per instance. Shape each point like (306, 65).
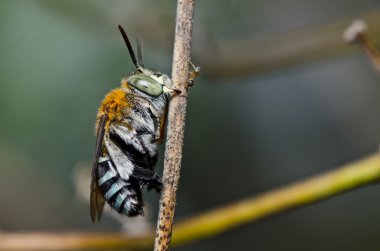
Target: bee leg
(155, 183)
(148, 178)
(194, 72)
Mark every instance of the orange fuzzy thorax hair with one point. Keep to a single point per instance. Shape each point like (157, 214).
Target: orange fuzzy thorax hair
(115, 104)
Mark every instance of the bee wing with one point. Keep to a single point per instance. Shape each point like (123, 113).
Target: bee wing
(96, 198)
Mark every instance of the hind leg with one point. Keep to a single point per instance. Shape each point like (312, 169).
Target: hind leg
(148, 178)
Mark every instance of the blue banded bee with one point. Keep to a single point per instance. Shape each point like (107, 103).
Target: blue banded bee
(130, 125)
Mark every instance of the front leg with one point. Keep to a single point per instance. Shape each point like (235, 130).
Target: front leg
(194, 73)
(162, 123)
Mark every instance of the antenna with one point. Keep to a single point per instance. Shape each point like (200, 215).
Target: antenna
(130, 49)
(140, 54)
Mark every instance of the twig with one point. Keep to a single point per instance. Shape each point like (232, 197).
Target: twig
(176, 124)
(345, 178)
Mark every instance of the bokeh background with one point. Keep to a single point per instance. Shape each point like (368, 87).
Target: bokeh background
(246, 132)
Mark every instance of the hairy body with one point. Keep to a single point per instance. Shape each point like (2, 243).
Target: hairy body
(131, 126)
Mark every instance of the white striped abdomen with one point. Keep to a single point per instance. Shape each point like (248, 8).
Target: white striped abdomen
(123, 196)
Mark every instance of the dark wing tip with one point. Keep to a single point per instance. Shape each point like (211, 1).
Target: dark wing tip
(96, 201)
(94, 206)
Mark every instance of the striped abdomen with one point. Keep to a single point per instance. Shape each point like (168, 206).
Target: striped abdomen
(124, 196)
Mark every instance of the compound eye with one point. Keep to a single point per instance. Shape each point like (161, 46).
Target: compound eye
(146, 84)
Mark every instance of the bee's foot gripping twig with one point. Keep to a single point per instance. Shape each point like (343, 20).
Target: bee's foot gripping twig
(194, 73)
(178, 92)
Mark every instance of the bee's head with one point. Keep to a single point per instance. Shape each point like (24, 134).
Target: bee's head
(151, 83)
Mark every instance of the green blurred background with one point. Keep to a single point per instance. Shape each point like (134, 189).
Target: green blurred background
(245, 134)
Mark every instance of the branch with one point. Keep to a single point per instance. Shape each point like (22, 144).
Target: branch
(345, 178)
(253, 55)
(357, 33)
(176, 123)
(72, 241)
(348, 177)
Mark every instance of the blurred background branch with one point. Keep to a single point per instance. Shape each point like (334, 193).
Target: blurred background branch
(253, 55)
(343, 179)
(357, 33)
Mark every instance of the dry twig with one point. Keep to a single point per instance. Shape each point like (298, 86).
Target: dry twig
(176, 123)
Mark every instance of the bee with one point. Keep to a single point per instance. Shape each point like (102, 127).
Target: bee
(130, 125)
